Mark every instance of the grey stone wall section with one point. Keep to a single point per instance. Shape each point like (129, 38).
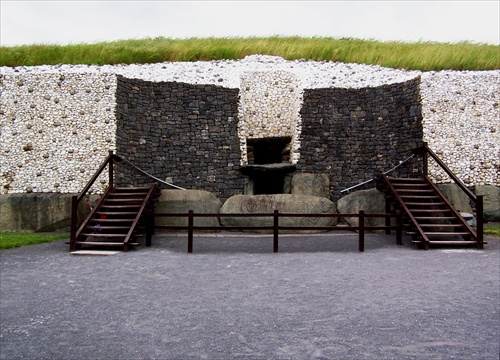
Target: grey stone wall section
(183, 133)
(353, 134)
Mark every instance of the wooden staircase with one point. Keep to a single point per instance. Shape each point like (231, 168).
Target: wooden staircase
(118, 219)
(428, 216)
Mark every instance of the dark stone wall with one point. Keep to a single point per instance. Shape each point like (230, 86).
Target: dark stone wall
(353, 134)
(184, 132)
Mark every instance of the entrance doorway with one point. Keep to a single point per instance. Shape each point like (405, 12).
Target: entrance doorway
(268, 164)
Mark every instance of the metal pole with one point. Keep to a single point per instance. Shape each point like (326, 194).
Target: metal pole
(387, 218)
(275, 231)
(74, 215)
(111, 170)
(190, 231)
(361, 230)
(479, 221)
(399, 228)
(425, 160)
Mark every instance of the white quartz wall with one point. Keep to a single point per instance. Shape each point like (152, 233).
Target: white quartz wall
(57, 123)
(269, 107)
(56, 129)
(461, 122)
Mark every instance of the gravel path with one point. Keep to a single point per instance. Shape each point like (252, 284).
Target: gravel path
(318, 298)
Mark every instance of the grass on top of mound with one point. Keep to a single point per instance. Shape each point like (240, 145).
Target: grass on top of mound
(424, 56)
(14, 240)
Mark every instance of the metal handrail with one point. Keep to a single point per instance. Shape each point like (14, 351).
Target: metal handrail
(384, 173)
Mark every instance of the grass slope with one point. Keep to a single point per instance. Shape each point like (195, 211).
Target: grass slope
(14, 240)
(423, 56)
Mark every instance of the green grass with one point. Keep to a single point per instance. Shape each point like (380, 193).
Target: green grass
(14, 240)
(423, 56)
(492, 231)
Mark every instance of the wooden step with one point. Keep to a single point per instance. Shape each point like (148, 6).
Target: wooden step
(410, 185)
(441, 225)
(133, 206)
(417, 191)
(103, 236)
(106, 227)
(127, 194)
(116, 213)
(104, 243)
(408, 204)
(124, 201)
(434, 218)
(130, 189)
(416, 197)
(112, 220)
(447, 242)
(460, 233)
(438, 211)
(395, 179)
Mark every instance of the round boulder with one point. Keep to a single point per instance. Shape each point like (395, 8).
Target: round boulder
(371, 201)
(181, 201)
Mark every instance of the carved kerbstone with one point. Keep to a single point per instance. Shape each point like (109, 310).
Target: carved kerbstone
(284, 203)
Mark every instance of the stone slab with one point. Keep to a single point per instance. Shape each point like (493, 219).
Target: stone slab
(311, 184)
(371, 201)
(181, 201)
(284, 203)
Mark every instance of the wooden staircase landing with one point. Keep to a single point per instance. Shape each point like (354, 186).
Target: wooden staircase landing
(118, 219)
(429, 217)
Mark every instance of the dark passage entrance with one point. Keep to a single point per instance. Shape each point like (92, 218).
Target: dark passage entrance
(268, 163)
(268, 150)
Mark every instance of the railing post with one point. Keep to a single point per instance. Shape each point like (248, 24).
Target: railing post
(361, 231)
(425, 160)
(190, 231)
(111, 170)
(74, 215)
(150, 223)
(387, 218)
(399, 228)
(275, 230)
(479, 221)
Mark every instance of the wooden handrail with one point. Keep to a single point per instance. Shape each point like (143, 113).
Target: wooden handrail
(76, 199)
(108, 160)
(139, 213)
(477, 199)
(426, 150)
(407, 211)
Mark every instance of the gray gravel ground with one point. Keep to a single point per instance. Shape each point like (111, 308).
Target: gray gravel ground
(318, 298)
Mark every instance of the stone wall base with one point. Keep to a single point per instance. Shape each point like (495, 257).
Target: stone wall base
(42, 212)
(52, 212)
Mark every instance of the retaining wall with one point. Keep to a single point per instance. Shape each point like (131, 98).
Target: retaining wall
(58, 125)
(353, 134)
(183, 133)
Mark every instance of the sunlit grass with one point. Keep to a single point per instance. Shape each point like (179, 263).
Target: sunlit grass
(14, 240)
(492, 231)
(423, 56)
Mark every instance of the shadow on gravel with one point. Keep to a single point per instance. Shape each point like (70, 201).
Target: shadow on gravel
(263, 243)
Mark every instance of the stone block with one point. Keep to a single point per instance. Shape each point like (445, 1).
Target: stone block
(181, 201)
(38, 212)
(371, 201)
(311, 184)
(491, 201)
(456, 197)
